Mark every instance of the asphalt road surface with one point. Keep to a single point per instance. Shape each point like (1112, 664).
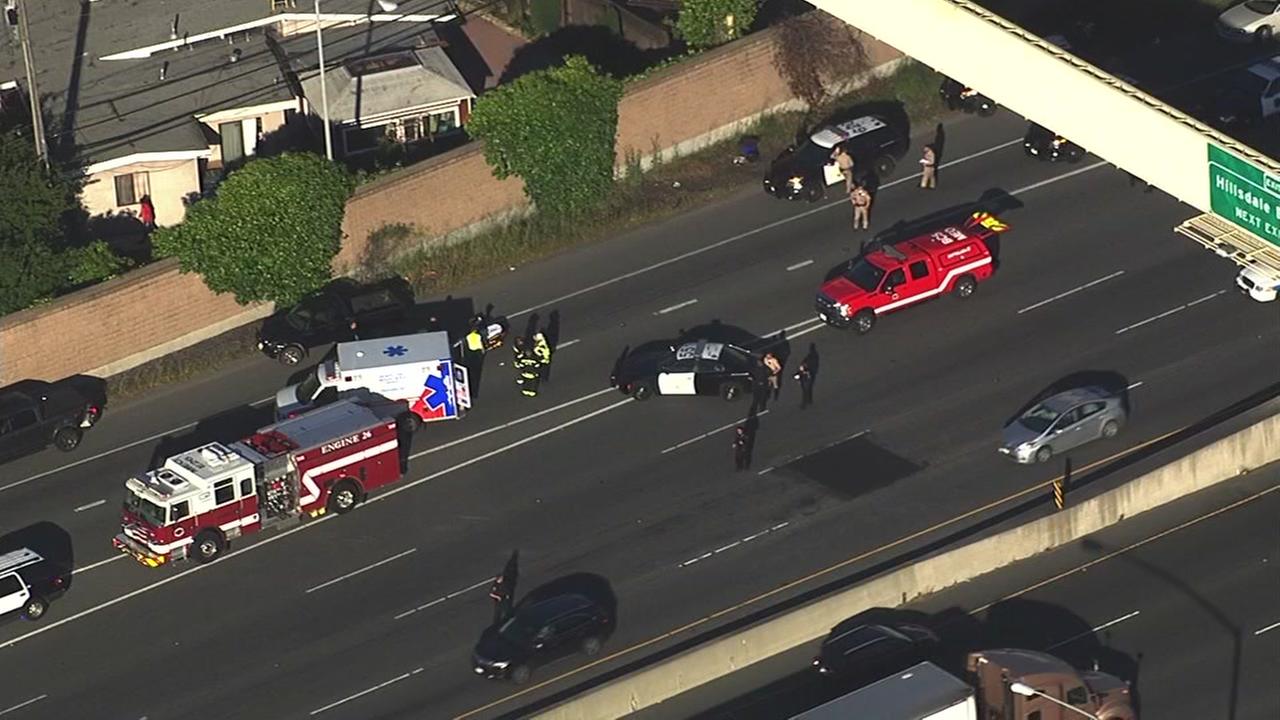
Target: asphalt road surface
(373, 615)
(1180, 602)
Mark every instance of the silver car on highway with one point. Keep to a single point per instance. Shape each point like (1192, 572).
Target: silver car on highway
(1063, 421)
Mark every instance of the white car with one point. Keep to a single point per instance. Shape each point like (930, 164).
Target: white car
(1259, 282)
(1251, 20)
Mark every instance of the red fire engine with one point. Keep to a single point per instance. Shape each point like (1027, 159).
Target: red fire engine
(325, 460)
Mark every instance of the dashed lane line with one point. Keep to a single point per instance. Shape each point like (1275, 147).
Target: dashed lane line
(366, 691)
(733, 545)
(1091, 631)
(1072, 291)
(1167, 313)
(444, 598)
(362, 570)
(708, 434)
(799, 265)
(21, 705)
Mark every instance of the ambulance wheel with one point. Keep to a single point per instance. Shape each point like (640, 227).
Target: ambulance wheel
(343, 497)
(884, 166)
(1044, 453)
(731, 391)
(34, 609)
(643, 391)
(965, 287)
(520, 674)
(209, 545)
(67, 439)
(292, 355)
(864, 321)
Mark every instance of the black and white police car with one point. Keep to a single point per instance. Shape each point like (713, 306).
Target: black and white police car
(805, 171)
(28, 583)
(699, 367)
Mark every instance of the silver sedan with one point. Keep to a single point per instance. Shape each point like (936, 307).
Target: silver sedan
(1063, 421)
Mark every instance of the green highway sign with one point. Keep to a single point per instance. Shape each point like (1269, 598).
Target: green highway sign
(1244, 194)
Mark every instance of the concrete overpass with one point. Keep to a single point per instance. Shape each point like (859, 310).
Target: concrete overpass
(1236, 187)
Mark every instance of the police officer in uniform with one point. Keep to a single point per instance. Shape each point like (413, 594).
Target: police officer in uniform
(741, 449)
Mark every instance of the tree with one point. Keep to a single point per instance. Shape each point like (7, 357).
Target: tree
(556, 130)
(269, 233)
(37, 203)
(815, 51)
(707, 23)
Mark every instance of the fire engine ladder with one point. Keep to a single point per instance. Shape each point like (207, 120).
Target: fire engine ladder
(1229, 241)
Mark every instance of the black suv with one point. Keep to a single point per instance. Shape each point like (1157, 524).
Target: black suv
(540, 632)
(28, 583)
(804, 171)
(699, 367)
(326, 317)
(866, 652)
(35, 414)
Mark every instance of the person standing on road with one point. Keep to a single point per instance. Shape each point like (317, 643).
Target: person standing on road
(774, 366)
(542, 353)
(741, 449)
(929, 168)
(503, 596)
(804, 375)
(844, 161)
(524, 363)
(861, 200)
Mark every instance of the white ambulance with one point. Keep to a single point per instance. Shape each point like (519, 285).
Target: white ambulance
(417, 370)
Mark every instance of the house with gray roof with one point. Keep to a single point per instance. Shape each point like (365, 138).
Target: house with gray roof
(158, 98)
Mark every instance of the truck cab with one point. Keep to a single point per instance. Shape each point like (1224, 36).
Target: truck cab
(35, 414)
(327, 316)
(951, 259)
(1013, 684)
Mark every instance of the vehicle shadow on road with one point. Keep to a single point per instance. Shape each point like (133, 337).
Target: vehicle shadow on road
(225, 427)
(49, 539)
(1109, 380)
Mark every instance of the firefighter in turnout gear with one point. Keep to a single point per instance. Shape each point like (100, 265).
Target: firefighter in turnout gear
(542, 353)
(528, 370)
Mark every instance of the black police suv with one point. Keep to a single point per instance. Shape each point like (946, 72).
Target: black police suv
(35, 414)
(958, 97)
(804, 171)
(700, 367)
(868, 652)
(325, 317)
(540, 632)
(1044, 144)
(28, 583)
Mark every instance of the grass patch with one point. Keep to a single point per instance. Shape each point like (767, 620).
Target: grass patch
(638, 199)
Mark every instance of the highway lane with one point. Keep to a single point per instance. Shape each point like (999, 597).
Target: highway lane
(588, 493)
(1179, 601)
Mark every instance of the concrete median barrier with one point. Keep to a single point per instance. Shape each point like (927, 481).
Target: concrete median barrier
(1241, 452)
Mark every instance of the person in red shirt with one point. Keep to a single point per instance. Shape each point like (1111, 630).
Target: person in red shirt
(147, 213)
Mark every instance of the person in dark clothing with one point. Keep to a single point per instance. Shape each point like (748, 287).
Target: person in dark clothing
(804, 375)
(503, 600)
(741, 449)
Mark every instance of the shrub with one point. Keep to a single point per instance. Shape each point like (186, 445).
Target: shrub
(555, 129)
(707, 23)
(815, 51)
(93, 263)
(269, 233)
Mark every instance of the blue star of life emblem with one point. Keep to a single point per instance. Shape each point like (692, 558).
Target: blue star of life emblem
(395, 351)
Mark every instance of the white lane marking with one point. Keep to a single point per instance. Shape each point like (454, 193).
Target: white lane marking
(1138, 384)
(1091, 631)
(733, 544)
(444, 598)
(799, 265)
(708, 434)
(807, 330)
(1072, 291)
(767, 470)
(567, 343)
(1167, 313)
(677, 306)
(21, 705)
(265, 541)
(114, 450)
(364, 569)
(100, 563)
(1268, 628)
(788, 460)
(1057, 178)
(744, 235)
(92, 505)
(362, 693)
(510, 423)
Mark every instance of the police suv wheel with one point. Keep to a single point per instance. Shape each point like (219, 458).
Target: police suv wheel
(67, 439)
(343, 497)
(34, 609)
(520, 674)
(864, 321)
(642, 391)
(292, 355)
(965, 287)
(816, 192)
(731, 391)
(1044, 454)
(1263, 35)
(208, 546)
(986, 109)
(884, 166)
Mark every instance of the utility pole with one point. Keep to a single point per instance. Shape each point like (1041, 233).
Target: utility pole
(33, 92)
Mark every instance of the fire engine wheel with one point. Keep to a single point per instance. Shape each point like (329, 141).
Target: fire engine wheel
(642, 391)
(209, 545)
(1044, 453)
(520, 674)
(864, 321)
(34, 609)
(67, 439)
(965, 287)
(292, 355)
(343, 497)
(884, 166)
(410, 422)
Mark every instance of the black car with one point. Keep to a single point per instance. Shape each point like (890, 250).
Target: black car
(540, 632)
(325, 317)
(699, 367)
(804, 171)
(28, 583)
(35, 414)
(1044, 144)
(867, 652)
